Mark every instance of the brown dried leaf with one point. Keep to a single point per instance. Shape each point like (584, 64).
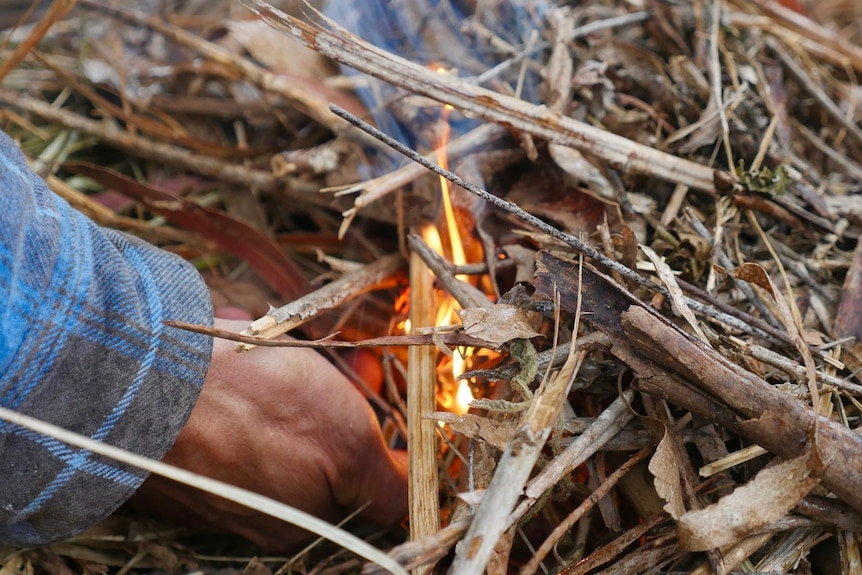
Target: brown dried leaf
(677, 300)
(755, 274)
(231, 234)
(575, 209)
(665, 466)
(788, 313)
(495, 433)
(497, 325)
(765, 499)
(277, 52)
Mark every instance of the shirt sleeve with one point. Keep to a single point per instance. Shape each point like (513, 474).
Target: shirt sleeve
(83, 345)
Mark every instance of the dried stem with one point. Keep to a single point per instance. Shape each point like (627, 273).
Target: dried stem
(281, 320)
(422, 400)
(538, 121)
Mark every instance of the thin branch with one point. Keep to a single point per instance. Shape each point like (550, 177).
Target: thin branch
(570, 240)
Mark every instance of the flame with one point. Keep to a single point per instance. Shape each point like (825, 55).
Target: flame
(458, 402)
(464, 397)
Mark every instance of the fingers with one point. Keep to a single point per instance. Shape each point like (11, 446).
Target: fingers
(284, 423)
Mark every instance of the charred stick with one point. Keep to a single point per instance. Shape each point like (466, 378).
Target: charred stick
(281, 320)
(465, 294)
(452, 339)
(572, 241)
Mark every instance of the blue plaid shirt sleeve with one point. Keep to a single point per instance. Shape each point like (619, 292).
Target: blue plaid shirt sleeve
(83, 345)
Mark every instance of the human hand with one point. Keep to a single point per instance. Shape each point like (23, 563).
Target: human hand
(284, 423)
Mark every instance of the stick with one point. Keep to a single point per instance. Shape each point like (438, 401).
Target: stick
(421, 400)
(533, 565)
(281, 320)
(471, 99)
(570, 240)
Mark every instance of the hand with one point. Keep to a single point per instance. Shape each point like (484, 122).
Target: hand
(284, 423)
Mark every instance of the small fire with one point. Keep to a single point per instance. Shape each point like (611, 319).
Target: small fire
(455, 401)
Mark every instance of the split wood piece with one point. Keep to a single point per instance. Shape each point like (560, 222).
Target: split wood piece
(492, 517)
(281, 320)
(422, 482)
(293, 88)
(669, 363)
(425, 550)
(538, 121)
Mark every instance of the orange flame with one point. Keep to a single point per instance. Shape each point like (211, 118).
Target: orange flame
(458, 402)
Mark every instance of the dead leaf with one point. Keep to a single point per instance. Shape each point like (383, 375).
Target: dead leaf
(677, 300)
(665, 466)
(276, 51)
(575, 164)
(497, 325)
(575, 209)
(495, 433)
(231, 234)
(768, 497)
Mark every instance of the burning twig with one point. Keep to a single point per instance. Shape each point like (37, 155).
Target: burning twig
(465, 294)
(570, 240)
(281, 320)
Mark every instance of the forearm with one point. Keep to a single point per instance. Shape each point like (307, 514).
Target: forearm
(83, 345)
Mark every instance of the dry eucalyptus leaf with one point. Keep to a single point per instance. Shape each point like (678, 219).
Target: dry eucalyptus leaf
(498, 324)
(665, 466)
(677, 299)
(763, 500)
